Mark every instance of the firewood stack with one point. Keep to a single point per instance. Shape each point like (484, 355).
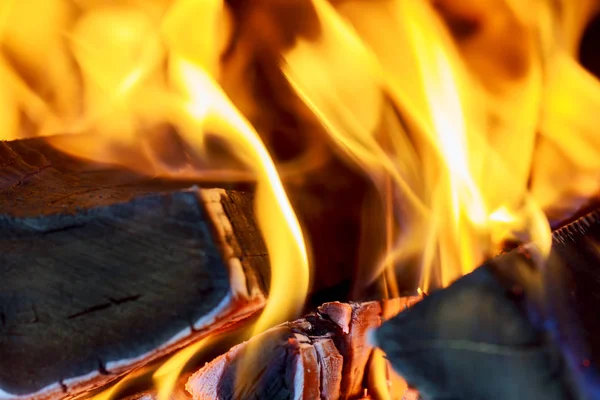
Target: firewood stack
(105, 271)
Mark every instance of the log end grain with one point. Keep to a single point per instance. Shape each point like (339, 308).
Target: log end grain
(308, 358)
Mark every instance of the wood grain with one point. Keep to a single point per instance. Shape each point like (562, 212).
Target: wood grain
(103, 270)
(323, 355)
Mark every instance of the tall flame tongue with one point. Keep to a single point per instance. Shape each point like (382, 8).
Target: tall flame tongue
(472, 118)
(121, 55)
(460, 159)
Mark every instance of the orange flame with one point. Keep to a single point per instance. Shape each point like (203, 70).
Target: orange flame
(384, 383)
(470, 101)
(166, 376)
(473, 118)
(120, 52)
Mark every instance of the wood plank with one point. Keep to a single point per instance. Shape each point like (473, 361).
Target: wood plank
(104, 270)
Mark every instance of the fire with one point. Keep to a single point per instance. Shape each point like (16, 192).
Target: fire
(383, 381)
(460, 158)
(127, 94)
(121, 50)
(166, 376)
(472, 118)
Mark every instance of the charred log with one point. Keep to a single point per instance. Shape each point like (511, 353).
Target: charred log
(510, 328)
(324, 355)
(103, 270)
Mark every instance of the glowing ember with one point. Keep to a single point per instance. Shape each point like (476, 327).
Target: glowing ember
(472, 118)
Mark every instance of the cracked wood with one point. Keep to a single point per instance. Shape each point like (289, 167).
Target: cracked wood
(325, 355)
(103, 269)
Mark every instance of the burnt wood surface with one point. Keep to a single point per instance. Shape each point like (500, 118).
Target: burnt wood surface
(537, 327)
(102, 269)
(324, 355)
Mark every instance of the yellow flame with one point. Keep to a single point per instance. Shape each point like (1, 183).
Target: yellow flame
(575, 17)
(378, 371)
(121, 50)
(113, 391)
(382, 381)
(446, 161)
(126, 92)
(566, 168)
(166, 376)
(472, 118)
(278, 223)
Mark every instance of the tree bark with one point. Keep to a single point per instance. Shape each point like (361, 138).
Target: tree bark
(104, 270)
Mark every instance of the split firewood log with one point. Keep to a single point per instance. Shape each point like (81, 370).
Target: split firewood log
(104, 270)
(324, 355)
(510, 329)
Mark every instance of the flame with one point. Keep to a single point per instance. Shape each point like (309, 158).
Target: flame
(472, 118)
(116, 389)
(572, 170)
(383, 382)
(166, 376)
(470, 99)
(121, 50)
(126, 93)
(278, 223)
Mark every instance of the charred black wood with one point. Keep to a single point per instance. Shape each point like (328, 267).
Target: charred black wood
(103, 270)
(572, 278)
(510, 329)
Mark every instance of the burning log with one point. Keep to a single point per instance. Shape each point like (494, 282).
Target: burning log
(323, 355)
(103, 271)
(521, 332)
